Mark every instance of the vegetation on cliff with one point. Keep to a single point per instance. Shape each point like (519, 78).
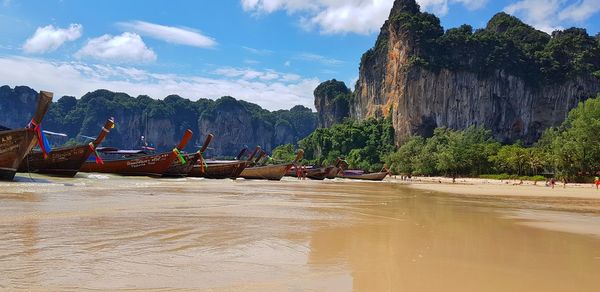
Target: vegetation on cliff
(332, 101)
(506, 43)
(163, 121)
(362, 143)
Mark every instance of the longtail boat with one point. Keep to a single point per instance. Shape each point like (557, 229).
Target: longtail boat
(15, 144)
(147, 165)
(222, 169)
(179, 169)
(335, 169)
(64, 161)
(316, 173)
(270, 172)
(360, 175)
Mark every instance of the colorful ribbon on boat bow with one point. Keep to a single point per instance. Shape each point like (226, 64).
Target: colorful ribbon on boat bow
(96, 155)
(179, 156)
(41, 138)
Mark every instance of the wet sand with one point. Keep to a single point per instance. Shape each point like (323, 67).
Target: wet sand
(574, 197)
(108, 232)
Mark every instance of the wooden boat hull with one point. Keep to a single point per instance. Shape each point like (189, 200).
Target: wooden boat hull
(150, 165)
(219, 170)
(269, 172)
(317, 174)
(182, 170)
(376, 176)
(14, 146)
(333, 172)
(64, 161)
(312, 173)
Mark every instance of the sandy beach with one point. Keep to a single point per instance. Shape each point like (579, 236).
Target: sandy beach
(573, 197)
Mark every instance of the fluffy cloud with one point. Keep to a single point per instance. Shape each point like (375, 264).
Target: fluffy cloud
(250, 74)
(319, 59)
(270, 89)
(548, 15)
(125, 48)
(580, 11)
(440, 7)
(539, 13)
(171, 34)
(343, 16)
(260, 52)
(49, 38)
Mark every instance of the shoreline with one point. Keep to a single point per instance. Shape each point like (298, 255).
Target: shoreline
(572, 198)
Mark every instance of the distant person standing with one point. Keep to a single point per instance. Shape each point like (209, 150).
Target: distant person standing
(597, 182)
(552, 182)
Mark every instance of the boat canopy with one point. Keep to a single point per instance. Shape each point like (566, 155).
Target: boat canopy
(126, 152)
(221, 161)
(104, 149)
(54, 133)
(353, 172)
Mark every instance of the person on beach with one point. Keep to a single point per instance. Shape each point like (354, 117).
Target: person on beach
(597, 182)
(552, 182)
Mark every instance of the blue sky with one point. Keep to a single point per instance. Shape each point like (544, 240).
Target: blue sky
(270, 52)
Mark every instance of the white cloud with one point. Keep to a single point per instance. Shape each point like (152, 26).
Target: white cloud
(270, 89)
(344, 16)
(287, 63)
(362, 17)
(251, 74)
(550, 15)
(261, 52)
(171, 34)
(541, 14)
(441, 7)
(269, 6)
(49, 38)
(125, 48)
(319, 59)
(580, 11)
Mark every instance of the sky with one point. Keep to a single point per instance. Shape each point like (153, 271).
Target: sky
(269, 52)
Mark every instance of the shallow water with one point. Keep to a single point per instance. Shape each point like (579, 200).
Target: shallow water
(108, 232)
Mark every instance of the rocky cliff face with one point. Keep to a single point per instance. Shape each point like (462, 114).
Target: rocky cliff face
(235, 127)
(234, 123)
(15, 106)
(399, 77)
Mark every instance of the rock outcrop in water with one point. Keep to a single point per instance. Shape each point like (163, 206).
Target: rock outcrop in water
(234, 123)
(507, 77)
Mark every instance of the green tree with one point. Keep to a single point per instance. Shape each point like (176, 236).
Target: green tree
(404, 161)
(284, 153)
(575, 147)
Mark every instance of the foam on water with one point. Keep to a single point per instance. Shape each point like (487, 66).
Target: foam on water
(98, 176)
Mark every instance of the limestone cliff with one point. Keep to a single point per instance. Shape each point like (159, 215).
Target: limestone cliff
(502, 77)
(16, 103)
(332, 102)
(234, 123)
